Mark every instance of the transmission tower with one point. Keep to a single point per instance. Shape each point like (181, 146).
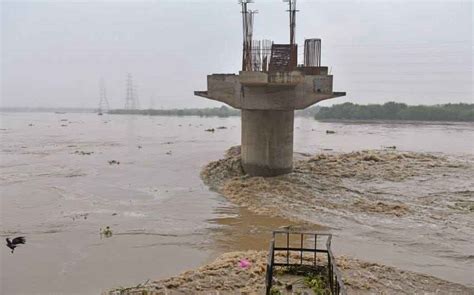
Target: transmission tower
(103, 102)
(131, 99)
(152, 102)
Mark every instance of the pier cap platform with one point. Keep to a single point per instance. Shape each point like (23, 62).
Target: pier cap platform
(293, 90)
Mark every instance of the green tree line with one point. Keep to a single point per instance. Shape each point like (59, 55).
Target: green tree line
(398, 111)
(205, 112)
(222, 111)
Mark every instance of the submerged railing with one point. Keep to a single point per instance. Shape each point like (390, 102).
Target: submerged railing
(334, 277)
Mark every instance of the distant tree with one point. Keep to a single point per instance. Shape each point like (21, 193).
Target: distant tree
(398, 111)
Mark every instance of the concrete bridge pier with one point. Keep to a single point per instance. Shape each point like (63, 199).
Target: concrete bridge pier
(268, 102)
(267, 142)
(270, 87)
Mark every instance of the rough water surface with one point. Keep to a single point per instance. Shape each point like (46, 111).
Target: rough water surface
(59, 186)
(421, 203)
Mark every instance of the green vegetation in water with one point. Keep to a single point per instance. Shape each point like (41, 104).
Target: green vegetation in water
(314, 279)
(461, 112)
(107, 232)
(317, 284)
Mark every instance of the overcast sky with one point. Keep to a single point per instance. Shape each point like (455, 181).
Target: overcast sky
(54, 53)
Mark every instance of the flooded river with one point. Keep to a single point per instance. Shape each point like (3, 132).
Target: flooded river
(59, 188)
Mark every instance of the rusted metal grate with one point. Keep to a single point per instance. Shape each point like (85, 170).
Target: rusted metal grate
(288, 246)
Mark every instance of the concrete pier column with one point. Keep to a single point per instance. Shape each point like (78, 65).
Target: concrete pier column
(267, 142)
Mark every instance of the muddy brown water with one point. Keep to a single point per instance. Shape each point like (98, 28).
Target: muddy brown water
(164, 219)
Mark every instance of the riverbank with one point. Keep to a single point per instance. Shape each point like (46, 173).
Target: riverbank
(225, 276)
(461, 112)
(222, 112)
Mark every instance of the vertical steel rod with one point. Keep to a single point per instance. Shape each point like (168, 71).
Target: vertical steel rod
(301, 260)
(315, 248)
(287, 247)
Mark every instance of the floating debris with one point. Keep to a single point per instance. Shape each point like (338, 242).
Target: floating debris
(222, 277)
(244, 263)
(323, 174)
(330, 132)
(221, 127)
(82, 153)
(112, 162)
(107, 232)
(168, 153)
(210, 130)
(78, 216)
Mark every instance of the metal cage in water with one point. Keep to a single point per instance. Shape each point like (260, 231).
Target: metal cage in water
(305, 247)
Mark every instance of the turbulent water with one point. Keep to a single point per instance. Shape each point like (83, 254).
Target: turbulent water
(412, 209)
(58, 189)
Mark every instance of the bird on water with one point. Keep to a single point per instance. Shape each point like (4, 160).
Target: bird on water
(15, 242)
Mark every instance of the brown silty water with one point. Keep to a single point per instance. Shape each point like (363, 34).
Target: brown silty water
(58, 190)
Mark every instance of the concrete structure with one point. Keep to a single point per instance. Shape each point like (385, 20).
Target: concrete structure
(268, 99)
